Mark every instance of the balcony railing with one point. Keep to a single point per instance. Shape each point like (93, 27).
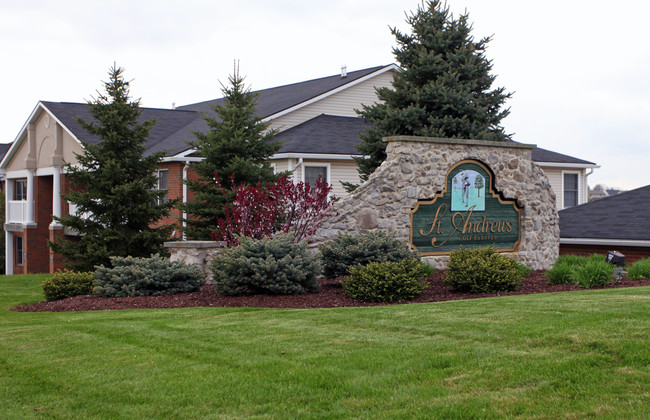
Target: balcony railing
(17, 211)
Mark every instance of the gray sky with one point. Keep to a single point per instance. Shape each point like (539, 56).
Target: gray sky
(579, 70)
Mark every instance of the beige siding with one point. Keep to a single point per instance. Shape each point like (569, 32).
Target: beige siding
(70, 148)
(345, 171)
(342, 103)
(44, 145)
(339, 170)
(556, 177)
(17, 162)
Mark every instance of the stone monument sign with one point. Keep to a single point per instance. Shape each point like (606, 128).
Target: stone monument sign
(441, 194)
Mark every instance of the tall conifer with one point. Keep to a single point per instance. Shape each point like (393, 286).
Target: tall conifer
(442, 90)
(113, 185)
(235, 150)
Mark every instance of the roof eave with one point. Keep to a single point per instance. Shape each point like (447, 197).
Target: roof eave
(604, 241)
(331, 92)
(567, 165)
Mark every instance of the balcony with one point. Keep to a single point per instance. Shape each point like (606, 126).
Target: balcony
(17, 211)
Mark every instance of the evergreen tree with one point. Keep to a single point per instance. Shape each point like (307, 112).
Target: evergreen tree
(442, 91)
(113, 185)
(478, 184)
(235, 151)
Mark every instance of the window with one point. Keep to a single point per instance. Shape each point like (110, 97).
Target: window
(20, 190)
(570, 189)
(19, 250)
(313, 172)
(163, 184)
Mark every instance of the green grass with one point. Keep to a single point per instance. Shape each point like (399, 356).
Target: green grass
(566, 355)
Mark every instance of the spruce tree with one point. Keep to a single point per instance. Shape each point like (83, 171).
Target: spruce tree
(442, 90)
(113, 185)
(235, 151)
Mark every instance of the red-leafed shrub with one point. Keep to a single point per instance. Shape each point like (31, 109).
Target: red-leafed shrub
(264, 209)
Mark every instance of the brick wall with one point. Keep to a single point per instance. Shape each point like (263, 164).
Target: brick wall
(632, 253)
(38, 253)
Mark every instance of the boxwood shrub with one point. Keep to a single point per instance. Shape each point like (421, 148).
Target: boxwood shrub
(154, 276)
(272, 265)
(386, 281)
(65, 284)
(347, 251)
(482, 270)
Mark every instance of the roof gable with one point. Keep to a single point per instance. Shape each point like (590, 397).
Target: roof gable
(167, 134)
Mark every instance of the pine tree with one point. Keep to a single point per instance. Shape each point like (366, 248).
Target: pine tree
(113, 185)
(235, 151)
(442, 90)
(478, 184)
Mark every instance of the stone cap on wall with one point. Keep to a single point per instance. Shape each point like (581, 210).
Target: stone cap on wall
(438, 140)
(195, 244)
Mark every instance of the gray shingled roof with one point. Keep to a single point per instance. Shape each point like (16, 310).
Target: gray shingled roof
(174, 127)
(543, 155)
(623, 216)
(4, 147)
(169, 133)
(326, 134)
(277, 99)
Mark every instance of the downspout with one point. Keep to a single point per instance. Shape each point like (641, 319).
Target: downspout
(185, 168)
(298, 166)
(591, 171)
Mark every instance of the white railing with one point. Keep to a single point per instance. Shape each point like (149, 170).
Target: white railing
(17, 211)
(72, 209)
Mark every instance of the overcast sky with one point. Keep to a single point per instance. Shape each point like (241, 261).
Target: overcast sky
(579, 70)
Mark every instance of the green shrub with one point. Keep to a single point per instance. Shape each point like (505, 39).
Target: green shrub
(427, 270)
(592, 271)
(152, 276)
(271, 265)
(482, 270)
(561, 273)
(639, 270)
(523, 270)
(65, 284)
(595, 273)
(386, 281)
(348, 251)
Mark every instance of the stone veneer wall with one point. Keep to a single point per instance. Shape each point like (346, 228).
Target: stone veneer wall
(416, 168)
(196, 252)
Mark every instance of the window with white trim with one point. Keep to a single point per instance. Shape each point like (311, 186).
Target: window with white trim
(313, 172)
(163, 185)
(20, 189)
(18, 250)
(571, 190)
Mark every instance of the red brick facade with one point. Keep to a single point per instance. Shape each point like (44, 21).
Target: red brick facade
(38, 258)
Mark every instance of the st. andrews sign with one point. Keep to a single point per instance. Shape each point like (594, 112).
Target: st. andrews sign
(468, 212)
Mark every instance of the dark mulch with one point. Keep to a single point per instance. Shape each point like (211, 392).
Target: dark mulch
(330, 295)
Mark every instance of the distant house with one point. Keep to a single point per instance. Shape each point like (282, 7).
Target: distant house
(317, 124)
(619, 222)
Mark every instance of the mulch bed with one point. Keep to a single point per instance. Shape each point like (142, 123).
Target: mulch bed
(330, 295)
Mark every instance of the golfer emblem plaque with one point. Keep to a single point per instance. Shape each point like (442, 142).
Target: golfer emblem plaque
(469, 212)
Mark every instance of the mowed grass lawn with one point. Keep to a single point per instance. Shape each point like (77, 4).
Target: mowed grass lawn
(565, 355)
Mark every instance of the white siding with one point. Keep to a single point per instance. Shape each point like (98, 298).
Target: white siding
(342, 103)
(556, 177)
